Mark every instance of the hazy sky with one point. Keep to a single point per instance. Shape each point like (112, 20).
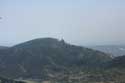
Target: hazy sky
(82, 22)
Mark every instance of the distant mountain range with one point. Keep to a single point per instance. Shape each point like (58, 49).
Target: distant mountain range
(56, 60)
(114, 50)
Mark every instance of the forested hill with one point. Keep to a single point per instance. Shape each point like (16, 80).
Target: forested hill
(44, 56)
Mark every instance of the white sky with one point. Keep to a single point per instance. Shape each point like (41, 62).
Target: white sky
(82, 22)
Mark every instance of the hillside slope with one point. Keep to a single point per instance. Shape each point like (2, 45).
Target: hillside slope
(5, 80)
(3, 47)
(118, 62)
(42, 58)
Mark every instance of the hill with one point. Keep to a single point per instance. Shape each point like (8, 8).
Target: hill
(46, 58)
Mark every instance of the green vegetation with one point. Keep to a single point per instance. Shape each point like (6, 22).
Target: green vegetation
(5, 80)
(38, 58)
(49, 60)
